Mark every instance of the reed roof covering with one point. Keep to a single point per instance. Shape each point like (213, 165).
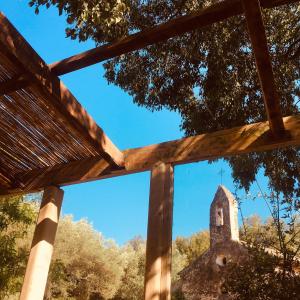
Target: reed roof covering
(41, 125)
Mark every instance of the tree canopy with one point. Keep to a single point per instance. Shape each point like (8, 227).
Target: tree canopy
(208, 75)
(16, 216)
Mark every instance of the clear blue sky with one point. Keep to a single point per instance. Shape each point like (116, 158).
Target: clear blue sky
(118, 207)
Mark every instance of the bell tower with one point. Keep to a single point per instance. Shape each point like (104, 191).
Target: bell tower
(223, 217)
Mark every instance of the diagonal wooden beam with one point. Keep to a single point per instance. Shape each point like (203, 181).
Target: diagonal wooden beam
(207, 16)
(249, 138)
(264, 66)
(13, 45)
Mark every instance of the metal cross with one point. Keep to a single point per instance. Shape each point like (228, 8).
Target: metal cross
(221, 172)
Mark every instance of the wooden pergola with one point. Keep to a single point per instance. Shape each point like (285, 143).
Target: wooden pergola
(47, 139)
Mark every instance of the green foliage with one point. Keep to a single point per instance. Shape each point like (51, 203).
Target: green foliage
(90, 267)
(178, 295)
(132, 281)
(108, 17)
(179, 262)
(281, 231)
(16, 216)
(186, 250)
(84, 263)
(272, 270)
(208, 76)
(261, 278)
(192, 247)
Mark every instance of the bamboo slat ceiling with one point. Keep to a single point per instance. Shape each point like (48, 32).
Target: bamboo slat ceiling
(41, 125)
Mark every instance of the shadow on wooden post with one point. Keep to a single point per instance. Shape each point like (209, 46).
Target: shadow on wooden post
(159, 236)
(42, 245)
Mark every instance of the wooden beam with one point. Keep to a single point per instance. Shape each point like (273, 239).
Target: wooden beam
(66, 174)
(264, 66)
(207, 16)
(6, 181)
(159, 236)
(49, 86)
(249, 138)
(14, 84)
(42, 245)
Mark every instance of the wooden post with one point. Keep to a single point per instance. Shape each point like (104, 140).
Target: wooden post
(159, 236)
(42, 245)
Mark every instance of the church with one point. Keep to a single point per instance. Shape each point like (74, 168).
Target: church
(202, 279)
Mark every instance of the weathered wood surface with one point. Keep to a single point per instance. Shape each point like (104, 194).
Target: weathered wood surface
(207, 16)
(264, 66)
(15, 83)
(65, 174)
(249, 138)
(42, 245)
(159, 235)
(6, 181)
(14, 47)
(239, 140)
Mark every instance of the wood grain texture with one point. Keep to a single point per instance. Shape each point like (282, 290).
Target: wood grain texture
(14, 46)
(66, 174)
(159, 234)
(16, 83)
(264, 66)
(42, 245)
(207, 16)
(249, 138)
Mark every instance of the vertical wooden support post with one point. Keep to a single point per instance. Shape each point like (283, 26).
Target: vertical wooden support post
(42, 245)
(159, 236)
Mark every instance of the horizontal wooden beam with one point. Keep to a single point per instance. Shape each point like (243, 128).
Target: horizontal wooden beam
(12, 44)
(6, 181)
(249, 138)
(264, 66)
(207, 16)
(66, 174)
(14, 84)
(238, 140)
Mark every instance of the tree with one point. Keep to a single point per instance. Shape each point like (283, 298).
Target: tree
(281, 232)
(184, 251)
(84, 264)
(16, 216)
(208, 76)
(194, 246)
(260, 278)
(272, 269)
(132, 282)
(179, 262)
